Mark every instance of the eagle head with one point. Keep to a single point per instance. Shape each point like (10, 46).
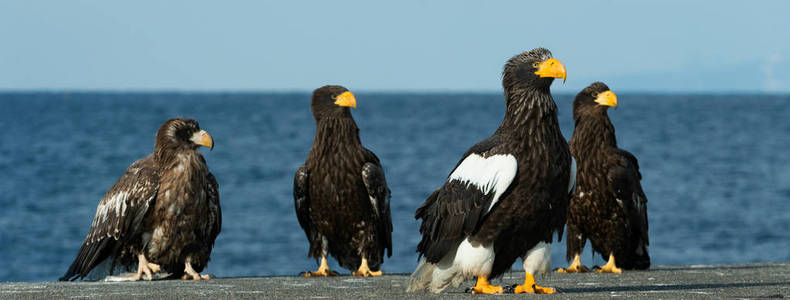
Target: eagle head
(180, 133)
(596, 98)
(332, 101)
(534, 68)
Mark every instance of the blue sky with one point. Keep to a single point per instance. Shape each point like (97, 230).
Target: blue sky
(656, 46)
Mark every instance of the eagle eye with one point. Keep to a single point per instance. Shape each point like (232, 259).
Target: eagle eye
(535, 65)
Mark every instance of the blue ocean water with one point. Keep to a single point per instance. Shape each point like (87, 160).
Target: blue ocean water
(715, 170)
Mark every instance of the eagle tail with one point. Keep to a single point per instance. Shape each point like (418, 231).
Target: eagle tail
(636, 256)
(89, 256)
(640, 259)
(434, 278)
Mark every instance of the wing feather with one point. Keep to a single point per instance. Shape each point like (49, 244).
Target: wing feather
(118, 218)
(626, 177)
(379, 193)
(303, 210)
(456, 209)
(215, 209)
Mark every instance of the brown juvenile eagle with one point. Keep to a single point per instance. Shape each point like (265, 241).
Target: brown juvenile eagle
(507, 196)
(609, 207)
(340, 194)
(163, 213)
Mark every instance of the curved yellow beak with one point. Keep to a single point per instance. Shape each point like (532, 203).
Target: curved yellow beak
(203, 138)
(607, 98)
(551, 68)
(346, 99)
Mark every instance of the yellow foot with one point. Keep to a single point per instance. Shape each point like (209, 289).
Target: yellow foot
(196, 277)
(190, 273)
(154, 267)
(365, 271)
(534, 289)
(575, 267)
(323, 270)
(144, 267)
(483, 287)
(531, 287)
(320, 273)
(610, 267)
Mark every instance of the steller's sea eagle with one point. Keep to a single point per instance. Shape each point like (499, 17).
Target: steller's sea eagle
(163, 213)
(609, 207)
(340, 194)
(508, 195)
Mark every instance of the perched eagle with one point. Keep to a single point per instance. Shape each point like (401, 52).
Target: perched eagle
(507, 196)
(609, 207)
(164, 213)
(341, 196)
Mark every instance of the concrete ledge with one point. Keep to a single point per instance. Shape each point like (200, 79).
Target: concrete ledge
(675, 282)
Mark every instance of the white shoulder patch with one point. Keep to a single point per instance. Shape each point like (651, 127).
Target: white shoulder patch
(572, 182)
(493, 173)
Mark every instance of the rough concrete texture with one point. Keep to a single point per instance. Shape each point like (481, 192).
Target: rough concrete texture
(760, 280)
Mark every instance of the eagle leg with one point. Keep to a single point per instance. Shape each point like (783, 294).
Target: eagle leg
(323, 270)
(190, 273)
(575, 267)
(483, 287)
(610, 267)
(143, 266)
(531, 287)
(364, 270)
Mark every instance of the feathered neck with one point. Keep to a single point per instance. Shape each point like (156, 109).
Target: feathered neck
(169, 155)
(527, 109)
(334, 135)
(592, 131)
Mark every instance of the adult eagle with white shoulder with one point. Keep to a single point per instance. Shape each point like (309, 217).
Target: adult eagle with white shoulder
(508, 195)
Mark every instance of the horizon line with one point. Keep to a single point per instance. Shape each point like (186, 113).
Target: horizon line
(364, 91)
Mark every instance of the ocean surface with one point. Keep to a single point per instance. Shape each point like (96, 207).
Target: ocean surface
(716, 170)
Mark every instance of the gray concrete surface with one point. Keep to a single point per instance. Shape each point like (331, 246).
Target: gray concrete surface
(761, 280)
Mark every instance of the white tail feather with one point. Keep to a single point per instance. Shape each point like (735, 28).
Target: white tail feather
(437, 277)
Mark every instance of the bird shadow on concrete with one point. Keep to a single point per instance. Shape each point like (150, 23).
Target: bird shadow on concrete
(700, 268)
(671, 287)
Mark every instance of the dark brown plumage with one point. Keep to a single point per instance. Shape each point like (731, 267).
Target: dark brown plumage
(340, 193)
(609, 207)
(507, 196)
(163, 213)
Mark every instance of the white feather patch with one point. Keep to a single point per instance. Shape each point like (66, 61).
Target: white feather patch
(375, 206)
(115, 205)
(493, 173)
(538, 259)
(473, 260)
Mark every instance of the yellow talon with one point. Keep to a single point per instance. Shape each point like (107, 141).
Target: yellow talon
(610, 267)
(323, 270)
(154, 267)
(575, 267)
(365, 271)
(483, 287)
(190, 273)
(531, 287)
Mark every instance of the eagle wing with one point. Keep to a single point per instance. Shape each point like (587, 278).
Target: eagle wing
(119, 216)
(379, 193)
(626, 177)
(215, 210)
(303, 210)
(473, 188)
